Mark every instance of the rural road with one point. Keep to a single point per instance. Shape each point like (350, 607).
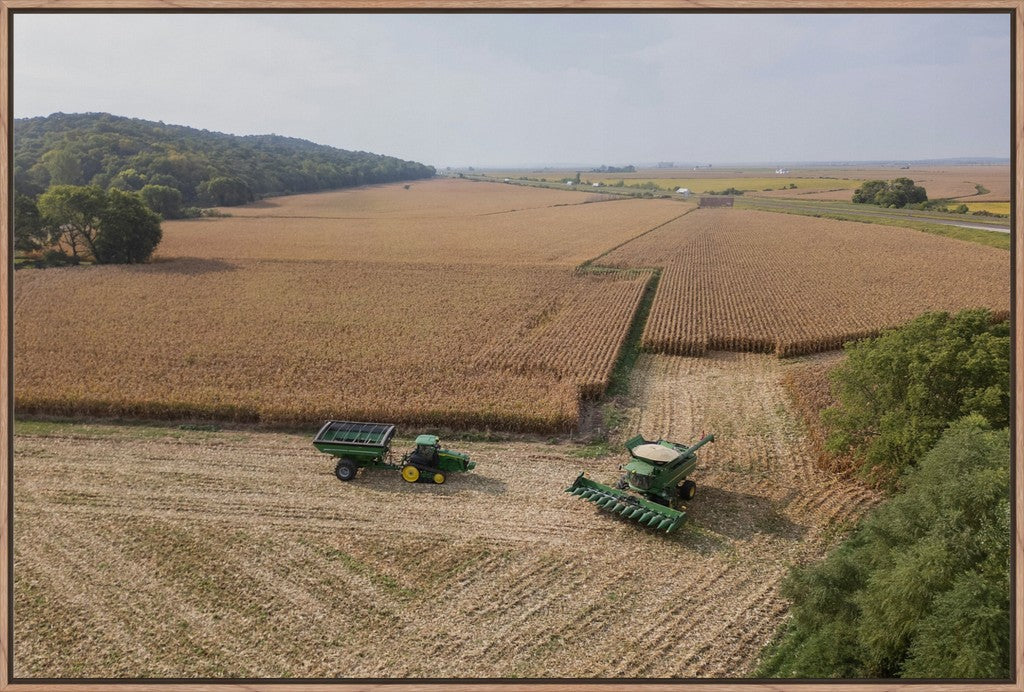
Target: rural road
(773, 205)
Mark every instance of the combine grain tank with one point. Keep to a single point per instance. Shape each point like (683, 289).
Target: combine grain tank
(654, 490)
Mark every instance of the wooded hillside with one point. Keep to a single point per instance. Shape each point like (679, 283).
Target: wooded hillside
(208, 168)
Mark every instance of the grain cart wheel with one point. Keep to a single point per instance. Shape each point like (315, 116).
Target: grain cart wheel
(687, 490)
(410, 473)
(345, 470)
(439, 478)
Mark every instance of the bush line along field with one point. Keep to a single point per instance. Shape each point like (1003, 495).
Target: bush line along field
(757, 281)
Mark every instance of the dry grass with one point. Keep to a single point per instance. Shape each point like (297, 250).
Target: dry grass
(757, 281)
(296, 342)
(146, 552)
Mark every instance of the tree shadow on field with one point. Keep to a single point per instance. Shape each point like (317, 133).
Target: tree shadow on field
(262, 204)
(391, 482)
(740, 515)
(188, 266)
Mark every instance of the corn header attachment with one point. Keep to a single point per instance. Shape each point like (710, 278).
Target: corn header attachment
(654, 489)
(629, 506)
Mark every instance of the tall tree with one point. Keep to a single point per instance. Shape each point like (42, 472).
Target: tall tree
(129, 230)
(73, 214)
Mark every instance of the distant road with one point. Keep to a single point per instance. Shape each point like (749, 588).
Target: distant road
(825, 208)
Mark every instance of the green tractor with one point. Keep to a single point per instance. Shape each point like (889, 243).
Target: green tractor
(368, 445)
(654, 490)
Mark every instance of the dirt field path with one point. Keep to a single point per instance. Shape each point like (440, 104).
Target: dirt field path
(169, 553)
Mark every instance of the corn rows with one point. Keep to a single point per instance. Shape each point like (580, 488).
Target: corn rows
(789, 285)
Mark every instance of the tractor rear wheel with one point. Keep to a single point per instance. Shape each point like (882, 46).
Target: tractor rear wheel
(687, 490)
(438, 477)
(345, 470)
(410, 473)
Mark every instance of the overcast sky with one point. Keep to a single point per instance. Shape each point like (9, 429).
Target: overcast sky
(526, 90)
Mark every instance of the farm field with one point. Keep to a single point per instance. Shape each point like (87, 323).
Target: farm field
(161, 552)
(473, 320)
(992, 207)
(757, 281)
(955, 182)
(832, 183)
(565, 234)
(293, 343)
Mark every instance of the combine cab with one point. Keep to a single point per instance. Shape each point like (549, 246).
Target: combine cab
(368, 445)
(654, 489)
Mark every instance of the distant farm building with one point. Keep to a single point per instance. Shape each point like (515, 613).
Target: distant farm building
(684, 191)
(782, 171)
(715, 202)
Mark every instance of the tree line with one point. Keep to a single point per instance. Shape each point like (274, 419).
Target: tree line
(206, 168)
(921, 588)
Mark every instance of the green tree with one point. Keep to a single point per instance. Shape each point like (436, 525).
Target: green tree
(921, 589)
(129, 230)
(868, 191)
(109, 227)
(898, 391)
(128, 179)
(29, 234)
(224, 192)
(165, 201)
(72, 214)
(895, 193)
(63, 166)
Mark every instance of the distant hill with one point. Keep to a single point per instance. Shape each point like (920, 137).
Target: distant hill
(206, 167)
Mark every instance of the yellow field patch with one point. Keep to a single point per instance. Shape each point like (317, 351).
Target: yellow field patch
(991, 207)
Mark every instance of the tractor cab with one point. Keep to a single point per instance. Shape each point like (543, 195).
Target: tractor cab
(425, 452)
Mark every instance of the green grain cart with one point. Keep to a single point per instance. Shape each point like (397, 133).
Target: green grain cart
(655, 487)
(368, 445)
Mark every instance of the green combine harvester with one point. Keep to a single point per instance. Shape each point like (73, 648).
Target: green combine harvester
(654, 489)
(368, 445)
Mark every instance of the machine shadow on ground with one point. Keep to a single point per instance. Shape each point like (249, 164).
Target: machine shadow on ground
(740, 516)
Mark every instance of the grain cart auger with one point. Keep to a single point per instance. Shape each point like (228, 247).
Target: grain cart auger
(654, 489)
(368, 445)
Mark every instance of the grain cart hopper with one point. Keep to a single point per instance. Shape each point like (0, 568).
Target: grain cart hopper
(654, 489)
(368, 445)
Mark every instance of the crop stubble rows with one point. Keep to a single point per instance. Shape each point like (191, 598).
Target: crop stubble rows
(142, 552)
(763, 282)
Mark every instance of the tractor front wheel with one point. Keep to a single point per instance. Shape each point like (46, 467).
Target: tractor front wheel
(687, 490)
(345, 470)
(410, 473)
(439, 478)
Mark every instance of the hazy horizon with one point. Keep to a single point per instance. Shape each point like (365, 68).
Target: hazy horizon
(516, 90)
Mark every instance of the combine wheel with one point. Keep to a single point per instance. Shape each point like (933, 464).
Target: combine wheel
(438, 477)
(410, 473)
(345, 470)
(687, 490)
